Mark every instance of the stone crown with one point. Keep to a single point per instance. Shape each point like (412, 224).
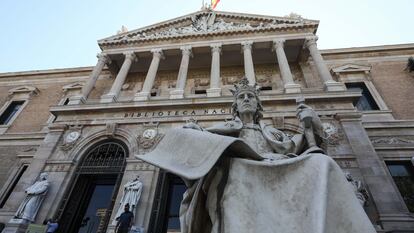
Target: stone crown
(243, 85)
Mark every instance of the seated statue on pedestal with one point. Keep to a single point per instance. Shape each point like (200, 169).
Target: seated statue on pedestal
(244, 176)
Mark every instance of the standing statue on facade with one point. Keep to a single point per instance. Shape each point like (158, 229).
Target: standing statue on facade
(131, 195)
(35, 194)
(245, 176)
(359, 189)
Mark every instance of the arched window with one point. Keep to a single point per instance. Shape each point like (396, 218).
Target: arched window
(106, 157)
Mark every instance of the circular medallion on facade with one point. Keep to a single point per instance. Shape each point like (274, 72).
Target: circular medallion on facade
(329, 128)
(72, 136)
(149, 133)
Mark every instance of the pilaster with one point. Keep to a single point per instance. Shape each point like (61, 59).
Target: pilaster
(390, 206)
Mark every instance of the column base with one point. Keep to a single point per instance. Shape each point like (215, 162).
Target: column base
(108, 98)
(142, 96)
(334, 86)
(16, 226)
(77, 99)
(213, 92)
(177, 94)
(292, 88)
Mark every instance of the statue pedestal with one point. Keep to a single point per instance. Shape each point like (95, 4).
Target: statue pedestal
(16, 225)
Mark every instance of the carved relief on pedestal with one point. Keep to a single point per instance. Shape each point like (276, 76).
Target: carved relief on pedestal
(72, 135)
(149, 137)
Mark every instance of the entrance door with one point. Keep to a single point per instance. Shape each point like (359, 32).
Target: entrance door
(95, 217)
(87, 205)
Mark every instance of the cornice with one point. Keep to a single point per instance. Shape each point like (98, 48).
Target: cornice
(280, 28)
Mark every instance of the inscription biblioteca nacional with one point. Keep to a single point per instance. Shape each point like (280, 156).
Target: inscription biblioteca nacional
(171, 113)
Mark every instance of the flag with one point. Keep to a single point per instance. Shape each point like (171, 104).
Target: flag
(214, 3)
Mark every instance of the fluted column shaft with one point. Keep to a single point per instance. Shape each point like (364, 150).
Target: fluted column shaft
(120, 78)
(87, 88)
(178, 93)
(289, 85)
(157, 55)
(323, 71)
(215, 87)
(248, 62)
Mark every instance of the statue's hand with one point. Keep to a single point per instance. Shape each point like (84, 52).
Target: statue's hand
(192, 125)
(303, 111)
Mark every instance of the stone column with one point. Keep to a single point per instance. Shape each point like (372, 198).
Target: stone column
(215, 87)
(178, 93)
(157, 55)
(112, 95)
(248, 62)
(87, 88)
(329, 83)
(390, 206)
(289, 85)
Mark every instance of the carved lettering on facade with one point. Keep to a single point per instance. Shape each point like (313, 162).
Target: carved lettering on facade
(171, 113)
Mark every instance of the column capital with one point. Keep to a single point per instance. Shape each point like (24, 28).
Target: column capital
(310, 40)
(247, 45)
(103, 57)
(158, 53)
(216, 47)
(279, 43)
(130, 56)
(186, 50)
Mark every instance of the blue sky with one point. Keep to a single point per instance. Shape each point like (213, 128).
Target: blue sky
(48, 34)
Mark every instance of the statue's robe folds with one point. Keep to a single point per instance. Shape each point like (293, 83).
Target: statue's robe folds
(31, 204)
(233, 190)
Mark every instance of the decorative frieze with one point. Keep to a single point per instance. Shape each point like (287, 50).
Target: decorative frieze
(392, 140)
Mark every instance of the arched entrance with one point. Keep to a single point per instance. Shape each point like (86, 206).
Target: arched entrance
(87, 206)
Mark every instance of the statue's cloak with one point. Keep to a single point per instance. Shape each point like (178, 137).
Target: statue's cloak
(234, 191)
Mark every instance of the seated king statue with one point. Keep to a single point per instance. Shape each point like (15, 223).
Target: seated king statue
(247, 177)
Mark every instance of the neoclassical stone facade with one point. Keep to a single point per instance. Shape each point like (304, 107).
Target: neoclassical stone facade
(83, 126)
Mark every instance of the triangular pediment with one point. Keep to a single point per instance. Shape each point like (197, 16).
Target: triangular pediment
(77, 85)
(210, 23)
(23, 89)
(348, 68)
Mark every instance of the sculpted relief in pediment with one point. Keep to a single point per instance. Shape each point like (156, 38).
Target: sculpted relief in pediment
(205, 23)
